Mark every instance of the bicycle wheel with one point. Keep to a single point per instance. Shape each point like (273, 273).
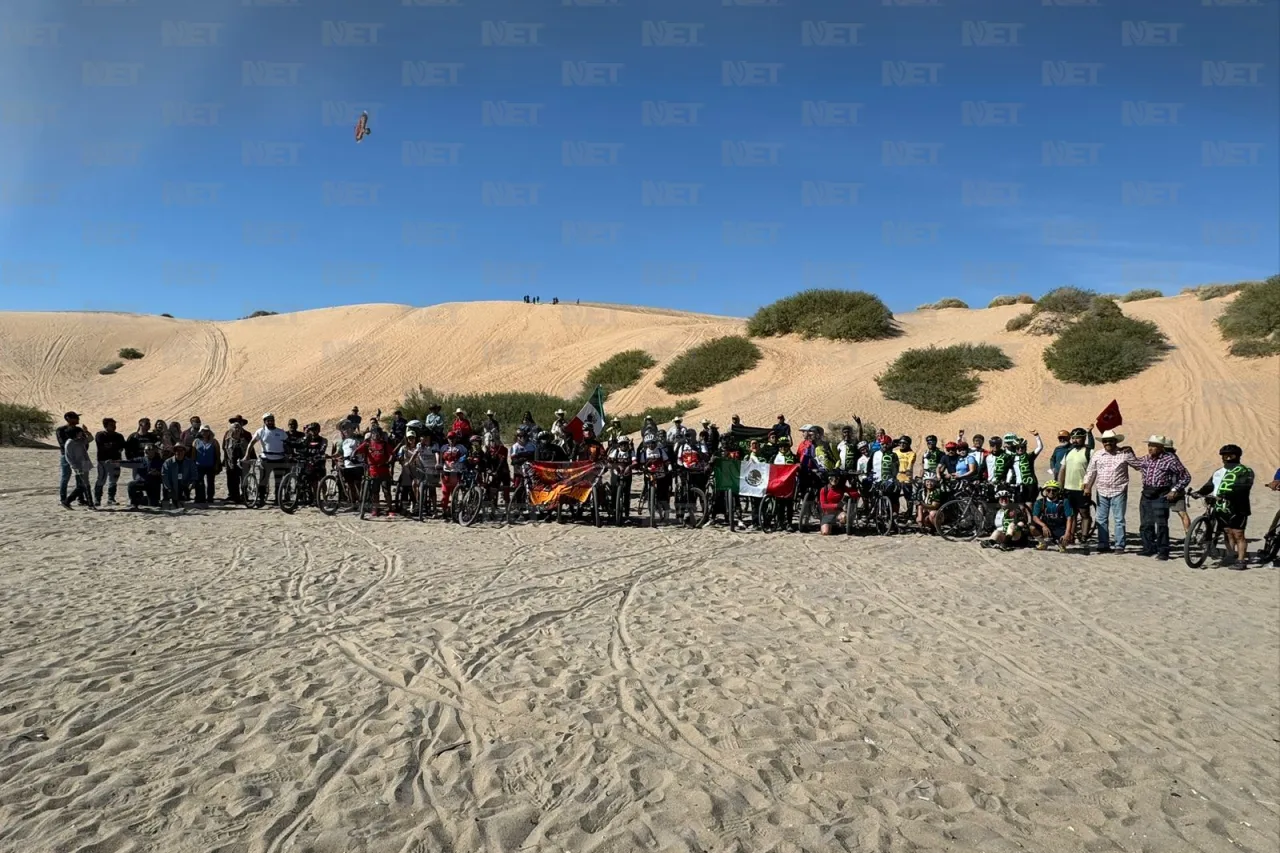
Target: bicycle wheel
(329, 495)
(957, 521)
(251, 490)
(651, 506)
(1201, 542)
(696, 508)
(1271, 541)
(406, 499)
(364, 498)
(620, 498)
(767, 515)
(469, 506)
(850, 516)
(289, 493)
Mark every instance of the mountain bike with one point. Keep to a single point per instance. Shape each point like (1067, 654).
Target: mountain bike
(649, 496)
(620, 491)
(299, 488)
(692, 509)
(1270, 550)
(253, 486)
(331, 493)
(807, 498)
(520, 508)
(1207, 537)
(883, 516)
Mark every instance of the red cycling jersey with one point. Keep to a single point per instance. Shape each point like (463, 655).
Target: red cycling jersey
(378, 455)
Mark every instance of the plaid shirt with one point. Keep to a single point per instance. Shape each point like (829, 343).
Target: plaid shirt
(1166, 471)
(1109, 472)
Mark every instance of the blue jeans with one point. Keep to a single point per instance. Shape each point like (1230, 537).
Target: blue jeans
(1111, 509)
(65, 480)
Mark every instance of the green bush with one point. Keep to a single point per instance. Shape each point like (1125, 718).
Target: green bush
(709, 363)
(661, 414)
(260, 314)
(1253, 316)
(618, 371)
(1205, 292)
(1105, 306)
(1255, 347)
(940, 380)
(1140, 294)
(1103, 347)
(170, 316)
(508, 406)
(1019, 322)
(111, 368)
(949, 302)
(129, 353)
(19, 422)
(1001, 301)
(842, 315)
(1071, 301)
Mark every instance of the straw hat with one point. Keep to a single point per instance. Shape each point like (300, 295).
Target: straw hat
(1111, 435)
(1159, 441)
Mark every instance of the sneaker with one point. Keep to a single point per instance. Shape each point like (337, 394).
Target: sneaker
(111, 502)
(1164, 558)
(1042, 546)
(66, 504)
(1062, 546)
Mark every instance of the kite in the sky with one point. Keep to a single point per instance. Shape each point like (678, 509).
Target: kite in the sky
(362, 127)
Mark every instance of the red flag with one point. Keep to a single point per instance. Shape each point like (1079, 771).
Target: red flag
(1110, 417)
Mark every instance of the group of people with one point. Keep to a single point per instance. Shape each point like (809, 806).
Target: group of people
(1087, 488)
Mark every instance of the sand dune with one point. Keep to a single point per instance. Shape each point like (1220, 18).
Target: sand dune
(317, 364)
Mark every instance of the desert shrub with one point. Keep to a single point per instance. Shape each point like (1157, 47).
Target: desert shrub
(618, 371)
(1102, 347)
(1026, 299)
(842, 315)
(129, 354)
(949, 302)
(1205, 292)
(1254, 315)
(834, 427)
(508, 406)
(1141, 293)
(940, 380)
(19, 422)
(111, 368)
(660, 414)
(260, 314)
(1106, 306)
(1071, 301)
(1001, 301)
(1255, 347)
(170, 316)
(709, 363)
(1048, 323)
(1020, 322)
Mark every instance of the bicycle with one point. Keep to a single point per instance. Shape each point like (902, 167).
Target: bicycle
(649, 495)
(520, 508)
(253, 486)
(883, 516)
(964, 517)
(1270, 550)
(298, 488)
(1206, 538)
(692, 509)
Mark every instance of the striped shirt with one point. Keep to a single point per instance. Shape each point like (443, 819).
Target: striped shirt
(1109, 472)
(1165, 471)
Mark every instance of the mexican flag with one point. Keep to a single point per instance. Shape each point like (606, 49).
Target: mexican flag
(757, 479)
(592, 413)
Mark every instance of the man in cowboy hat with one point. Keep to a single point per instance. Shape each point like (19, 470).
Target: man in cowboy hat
(237, 455)
(1164, 480)
(434, 422)
(462, 426)
(676, 431)
(1108, 472)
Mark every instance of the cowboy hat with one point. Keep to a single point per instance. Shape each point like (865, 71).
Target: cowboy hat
(457, 411)
(1159, 441)
(559, 411)
(489, 412)
(1111, 435)
(238, 419)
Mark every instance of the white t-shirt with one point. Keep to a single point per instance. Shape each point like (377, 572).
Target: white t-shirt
(273, 442)
(349, 458)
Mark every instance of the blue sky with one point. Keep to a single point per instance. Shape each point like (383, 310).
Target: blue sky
(197, 158)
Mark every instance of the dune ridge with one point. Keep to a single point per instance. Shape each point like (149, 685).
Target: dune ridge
(314, 365)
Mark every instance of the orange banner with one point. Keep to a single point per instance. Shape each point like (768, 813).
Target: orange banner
(554, 481)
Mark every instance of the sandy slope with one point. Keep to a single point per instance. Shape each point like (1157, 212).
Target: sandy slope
(316, 364)
(327, 685)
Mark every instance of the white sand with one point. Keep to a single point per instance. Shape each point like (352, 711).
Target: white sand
(316, 364)
(248, 681)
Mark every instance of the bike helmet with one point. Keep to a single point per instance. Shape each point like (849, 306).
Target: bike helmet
(1079, 432)
(785, 440)
(475, 439)
(453, 436)
(951, 445)
(1052, 484)
(1010, 438)
(650, 439)
(862, 445)
(962, 445)
(905, 441)
(995, 440)
(930, 439)
(875, 446)
(414, 424)
(1230, 450)
(313, 426)
(1004, 495)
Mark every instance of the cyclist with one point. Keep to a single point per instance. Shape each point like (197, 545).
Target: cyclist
(295, 437)
(590, 450)
(830, 501)
(399, 426)
(847, 450)
(434, 422)
(653, 458)
(1059, 452)
(613, 433)
(378, 453)
(453, 461)
(560, 430)
(620, 459)
(1026, 488)
(906, 473)
(1231, 485)
(500, 470)
(998, 461)
(786, 506)
(490, 429)
(1071, 473)
(691, 461)
(313, 449)
(947, 468)
(461, 425)
(885, 466)
(932, 459)
(1012, 528)
(275, 453)
(548, 450)
(352, 467)
(1054, 517)
(416, 460)
(936, 493)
